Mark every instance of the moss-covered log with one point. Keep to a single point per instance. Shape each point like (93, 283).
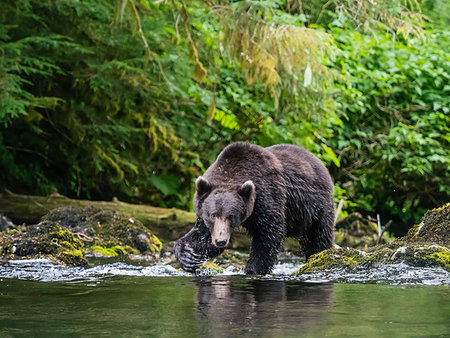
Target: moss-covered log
(167, 224)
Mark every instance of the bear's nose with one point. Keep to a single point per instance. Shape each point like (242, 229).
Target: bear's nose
(220, 243)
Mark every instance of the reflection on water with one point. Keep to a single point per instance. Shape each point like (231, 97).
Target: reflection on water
(219, 306)
(227, 306)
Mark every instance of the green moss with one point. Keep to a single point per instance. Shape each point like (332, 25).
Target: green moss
(425, 255)
(62, 245)
(114, 251)
(442, 258)
(210, 269)
(426, 244)
(104, 252)
(106, 229)
(7, 241)
(434, 227)
(108, 233)
(6, 245)
(128, 250)
(112, 229)
(43, 240)
(414, 254)
(330, 259)
(154, 244)
(375, 256)
(72, 257)
(64, 238)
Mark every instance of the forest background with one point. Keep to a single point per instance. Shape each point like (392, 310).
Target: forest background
(136, 98)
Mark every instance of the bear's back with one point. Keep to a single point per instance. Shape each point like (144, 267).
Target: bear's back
(283, 164)
(242, 161)
(301, 165)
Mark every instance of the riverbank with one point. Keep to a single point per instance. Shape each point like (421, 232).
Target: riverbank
(69, 234)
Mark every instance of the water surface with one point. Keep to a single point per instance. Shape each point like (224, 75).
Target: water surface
(42, 299)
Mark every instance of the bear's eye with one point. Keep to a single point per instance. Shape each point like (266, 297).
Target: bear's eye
(213, 215)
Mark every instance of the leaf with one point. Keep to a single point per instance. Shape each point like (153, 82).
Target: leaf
(166, 183)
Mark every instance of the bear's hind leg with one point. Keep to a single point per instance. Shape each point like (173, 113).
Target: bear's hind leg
(320, 236)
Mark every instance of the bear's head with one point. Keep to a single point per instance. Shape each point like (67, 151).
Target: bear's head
(223, 208)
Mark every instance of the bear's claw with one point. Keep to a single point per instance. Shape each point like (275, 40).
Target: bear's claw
(188, 259)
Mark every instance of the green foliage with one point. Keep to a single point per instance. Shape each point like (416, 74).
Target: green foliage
(83, 110)
(275, 47)
(394, 144)
(135, 99)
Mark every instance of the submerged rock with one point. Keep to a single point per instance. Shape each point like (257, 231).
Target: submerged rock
(426, 244)
(43, 240)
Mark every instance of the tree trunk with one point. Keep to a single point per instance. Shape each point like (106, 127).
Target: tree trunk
(167, 224)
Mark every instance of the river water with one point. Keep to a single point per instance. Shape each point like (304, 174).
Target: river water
(40, 299)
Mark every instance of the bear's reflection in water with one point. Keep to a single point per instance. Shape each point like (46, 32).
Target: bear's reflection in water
(227, 305)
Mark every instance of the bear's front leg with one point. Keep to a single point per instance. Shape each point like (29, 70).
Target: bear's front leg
(194, 248)
(263, 254)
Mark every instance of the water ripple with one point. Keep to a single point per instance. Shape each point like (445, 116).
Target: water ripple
(45, 270)
(398, 274)
(393, 274)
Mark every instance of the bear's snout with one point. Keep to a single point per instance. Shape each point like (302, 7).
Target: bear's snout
(221, 243)
(220, 234)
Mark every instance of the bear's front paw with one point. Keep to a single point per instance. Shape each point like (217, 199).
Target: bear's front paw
(188, 259)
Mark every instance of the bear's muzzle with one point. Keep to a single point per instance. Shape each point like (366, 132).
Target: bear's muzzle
(220, 233)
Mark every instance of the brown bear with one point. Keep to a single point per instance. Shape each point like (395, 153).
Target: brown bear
(275, 192)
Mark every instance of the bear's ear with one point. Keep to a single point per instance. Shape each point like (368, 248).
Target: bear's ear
(202, 186)
(247, 191)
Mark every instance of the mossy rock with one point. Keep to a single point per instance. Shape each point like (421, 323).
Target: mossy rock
(331, 259)
(106, 233)
(114, 251)
(356, 231)
(349, 258)
(426, 244)
(434, 227)
(209, 269)
(43, 240)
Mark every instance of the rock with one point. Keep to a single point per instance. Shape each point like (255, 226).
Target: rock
(426, 244)
(356, 231)
(5, 223)
(43, 240)
(106, 233)
(434, 227)
(209, 269)
(66, 234)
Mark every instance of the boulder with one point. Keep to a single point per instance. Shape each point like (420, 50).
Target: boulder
(426, 244)
(66, 234)
(104, 232)
(44, 240)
